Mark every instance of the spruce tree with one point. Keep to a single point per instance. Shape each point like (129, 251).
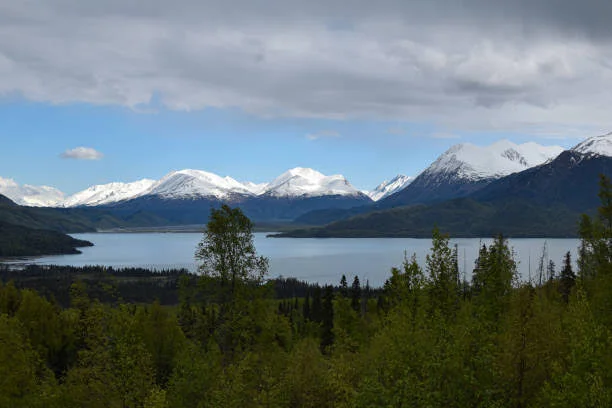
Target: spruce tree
(327, 334)
(567, 279)
(356, 294)
(306, 307)
(343, 286)
(493, 279)
(316, 314)
(443, 275)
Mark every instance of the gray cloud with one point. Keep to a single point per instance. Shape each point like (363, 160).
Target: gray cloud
(82, 153)
(516, 65)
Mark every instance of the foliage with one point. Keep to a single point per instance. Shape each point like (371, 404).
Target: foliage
(427, 339)
(22, 241)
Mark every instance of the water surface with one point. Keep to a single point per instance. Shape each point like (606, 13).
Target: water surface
(322, 260)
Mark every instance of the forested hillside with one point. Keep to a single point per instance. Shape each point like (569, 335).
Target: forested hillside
(461, 217)
(72, 220)
(21, 241)
(430, 338)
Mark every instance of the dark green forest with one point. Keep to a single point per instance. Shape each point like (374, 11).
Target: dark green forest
(461, 217)
(21, 241)
(232, 338)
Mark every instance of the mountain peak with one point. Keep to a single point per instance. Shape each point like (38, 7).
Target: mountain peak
(189, 183)
(303, 172)
(596, 145)
(388, 187)
(501, 158)
(108, 193)
(33, 196)
(301, 181)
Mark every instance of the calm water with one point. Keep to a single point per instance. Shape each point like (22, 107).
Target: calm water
(311, 259)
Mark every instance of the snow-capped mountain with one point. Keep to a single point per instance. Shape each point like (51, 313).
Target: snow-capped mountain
(468, 161)
(256, 188)
(33, 196)
(186, 196)
(192, 184)
(466, 168)
(196, 184)
(303, 182)
(597, 145)
(571, 180)
(386, 188)
(108, 193)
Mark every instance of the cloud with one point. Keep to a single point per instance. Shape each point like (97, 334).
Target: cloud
(514, 65)
(82, 153)
(323, 134)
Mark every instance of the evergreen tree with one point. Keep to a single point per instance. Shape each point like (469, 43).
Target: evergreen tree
(343, 286)
(493, 279)
(306, 307)
(567, 279)
(443, 275)
(327, 335)
(480, 270)
(550, 271)
(356, 295)
(317, 306)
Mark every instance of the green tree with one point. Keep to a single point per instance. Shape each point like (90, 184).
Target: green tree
(493, 279)
(327, 335)
(227, 251)
(233, 270)
(405, 286)
(443, 275)
(22, 374)
(356, 295)
(567, 280)
(595, 252)
(343, 286)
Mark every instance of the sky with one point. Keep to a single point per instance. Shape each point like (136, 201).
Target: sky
(94, 92)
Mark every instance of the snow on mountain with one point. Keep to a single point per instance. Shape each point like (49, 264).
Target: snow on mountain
(471, 162)
(190, 184)
(304, 182)
(196, 184)
(255, 188)
(33, 196)
(386, 188)
(597, 145)
(108, 193)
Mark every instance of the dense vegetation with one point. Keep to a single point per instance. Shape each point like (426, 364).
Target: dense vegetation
(429, 338)
(462, 217)
(21, 241)
(71, 220)
(129, 285)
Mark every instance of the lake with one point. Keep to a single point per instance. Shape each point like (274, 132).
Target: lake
(322, 260)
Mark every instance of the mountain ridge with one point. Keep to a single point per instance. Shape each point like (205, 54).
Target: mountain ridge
(544, 200)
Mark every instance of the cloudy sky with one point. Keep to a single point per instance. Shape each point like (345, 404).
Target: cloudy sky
(92, 92)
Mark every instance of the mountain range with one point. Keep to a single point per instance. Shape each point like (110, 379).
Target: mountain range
(189, 184)
(543, 200)
(464, 164)
(466, 168)
(528, 175)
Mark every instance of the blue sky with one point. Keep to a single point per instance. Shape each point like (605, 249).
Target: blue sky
(252, 88)
(138, 144)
